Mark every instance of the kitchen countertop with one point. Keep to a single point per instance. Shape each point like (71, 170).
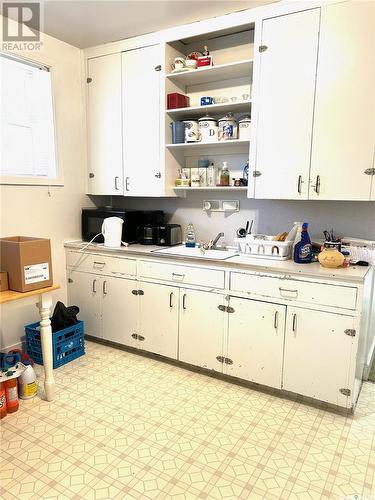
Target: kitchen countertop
(314, 270)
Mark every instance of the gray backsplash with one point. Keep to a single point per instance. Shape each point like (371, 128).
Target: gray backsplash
(356, 219)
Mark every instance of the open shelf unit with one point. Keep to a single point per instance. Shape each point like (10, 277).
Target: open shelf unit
(230, 78)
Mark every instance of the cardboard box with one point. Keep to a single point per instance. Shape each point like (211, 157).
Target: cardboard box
(27, 261)
(4, 281)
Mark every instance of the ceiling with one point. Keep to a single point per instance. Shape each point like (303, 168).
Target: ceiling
(88, 23)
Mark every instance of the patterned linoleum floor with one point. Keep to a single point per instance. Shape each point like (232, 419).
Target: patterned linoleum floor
(125, 426)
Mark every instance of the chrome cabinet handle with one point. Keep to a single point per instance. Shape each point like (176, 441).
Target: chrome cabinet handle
(93, 286)
(127, 183)
(276, 320)
(316, 186)
(170, 299)
(294, 323)
(158, 67)
(105, 288)
(184, 301)
(287, 290)
(176, 275)
(299, 188)
(116, 183)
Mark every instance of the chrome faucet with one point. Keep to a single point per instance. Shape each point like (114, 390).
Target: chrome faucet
(214, 243)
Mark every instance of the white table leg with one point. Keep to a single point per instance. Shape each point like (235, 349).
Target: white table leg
(44, 305)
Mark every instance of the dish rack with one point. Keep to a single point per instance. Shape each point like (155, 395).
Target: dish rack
(262, 246)
(359, 250)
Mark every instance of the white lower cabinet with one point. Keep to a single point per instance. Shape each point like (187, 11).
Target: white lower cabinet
(84, 291)
(119, 310)
(201, 331)
(317, 359)
(158, 319)
(255, 341)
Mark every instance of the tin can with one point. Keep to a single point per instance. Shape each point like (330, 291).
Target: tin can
(208, 129)
(244, 125)
(191, 131)
(228, 129)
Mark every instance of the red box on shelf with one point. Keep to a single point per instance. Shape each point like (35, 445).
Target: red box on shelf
(204, 61)
(176, 100)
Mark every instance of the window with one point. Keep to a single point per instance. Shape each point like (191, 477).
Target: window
(27, 122)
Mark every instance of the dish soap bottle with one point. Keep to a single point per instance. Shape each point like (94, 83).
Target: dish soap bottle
(225, 175)
(190, 236)
(303, 249)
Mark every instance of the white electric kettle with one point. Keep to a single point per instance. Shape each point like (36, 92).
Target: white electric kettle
(112, 231)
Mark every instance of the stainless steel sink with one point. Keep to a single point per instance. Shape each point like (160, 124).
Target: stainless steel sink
(218, 253)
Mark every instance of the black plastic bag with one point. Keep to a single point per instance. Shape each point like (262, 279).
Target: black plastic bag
(63, 316)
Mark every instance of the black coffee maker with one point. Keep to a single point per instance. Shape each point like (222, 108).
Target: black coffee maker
(147, 232)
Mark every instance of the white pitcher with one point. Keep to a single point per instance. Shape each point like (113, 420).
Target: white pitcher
(112, 231)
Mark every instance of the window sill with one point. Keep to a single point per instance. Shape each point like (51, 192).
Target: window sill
(31, 181)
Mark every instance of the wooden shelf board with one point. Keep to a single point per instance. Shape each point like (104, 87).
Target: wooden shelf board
(10, 295)
(208, 74)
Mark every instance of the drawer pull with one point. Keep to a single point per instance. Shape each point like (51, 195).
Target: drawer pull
(287, 290)
(184, 301)
(101, 264)
(93, 286)
(276, 320)
(170, 300)
(178, 276)
(294, 323)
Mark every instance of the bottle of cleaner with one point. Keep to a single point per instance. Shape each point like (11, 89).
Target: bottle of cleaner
(303, 249)
(11, 395)
(27, 387)
(190, 236)
(3, 401)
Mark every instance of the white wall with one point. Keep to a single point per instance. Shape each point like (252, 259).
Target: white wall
(355, 219)
(53, 213)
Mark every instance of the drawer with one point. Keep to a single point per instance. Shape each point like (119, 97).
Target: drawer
(182, 274)
(101, 264)
(297, 291)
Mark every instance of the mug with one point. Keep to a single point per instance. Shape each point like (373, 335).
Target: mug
(191, 131)
(206, 101)
(179, 63)
(191, 63)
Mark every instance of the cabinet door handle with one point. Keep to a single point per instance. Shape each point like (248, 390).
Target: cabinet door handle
(116, 183)
(170, 299)
(299, 187)
(276, 320)
(158, 67)
(176, 275)
(105, 288)
(316, 186)
(93, 286)
(287, 290)
(127, 183)
(294, 323)
(184, 301)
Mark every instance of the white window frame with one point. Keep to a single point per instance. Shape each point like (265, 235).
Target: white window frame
(34, 180)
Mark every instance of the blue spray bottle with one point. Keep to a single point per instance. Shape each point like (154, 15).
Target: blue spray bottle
(303, 249)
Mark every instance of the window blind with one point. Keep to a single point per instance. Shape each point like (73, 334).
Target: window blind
(27, 120)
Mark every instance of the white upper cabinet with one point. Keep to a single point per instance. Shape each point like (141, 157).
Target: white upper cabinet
(141, 74)
(285, 92)
(105, 172)
(344, 122)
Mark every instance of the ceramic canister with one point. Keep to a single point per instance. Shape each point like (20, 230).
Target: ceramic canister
(208, 129)
(228, 127)
(244, 125)
(191, 131)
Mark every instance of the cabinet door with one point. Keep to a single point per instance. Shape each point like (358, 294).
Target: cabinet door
(285, 108)
(141, 121)
(317, 354)
(84, 291)
(104, 122)
(201, 329)
(158, 319)
(255, 341)
(344, 119)
(120, 310)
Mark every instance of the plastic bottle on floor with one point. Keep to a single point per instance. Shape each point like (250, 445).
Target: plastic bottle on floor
(27, 387)
(3, 401)
(11, 394)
